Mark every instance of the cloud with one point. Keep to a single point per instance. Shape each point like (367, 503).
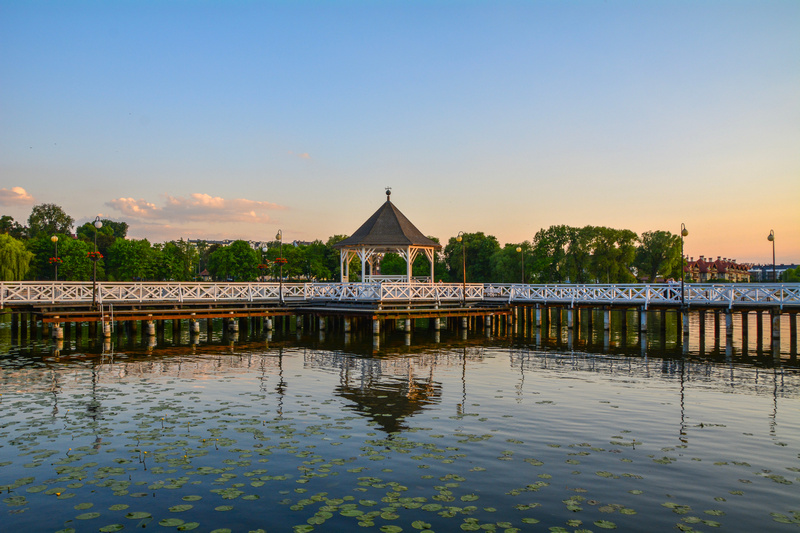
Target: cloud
(304, 155)
(198, 207)
(15, 196)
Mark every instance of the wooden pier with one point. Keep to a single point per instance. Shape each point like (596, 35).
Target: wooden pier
(366, 306)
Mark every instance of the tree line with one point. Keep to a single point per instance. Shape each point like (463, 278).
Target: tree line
(558, 254)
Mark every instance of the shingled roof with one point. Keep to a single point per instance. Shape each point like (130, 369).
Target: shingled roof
(388, 227)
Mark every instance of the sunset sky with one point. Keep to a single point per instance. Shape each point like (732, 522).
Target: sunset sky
(233, 119)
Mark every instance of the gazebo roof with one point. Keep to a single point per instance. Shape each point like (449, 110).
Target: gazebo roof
(387, 227)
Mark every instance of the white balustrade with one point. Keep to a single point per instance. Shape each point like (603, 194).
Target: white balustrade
(77, 293)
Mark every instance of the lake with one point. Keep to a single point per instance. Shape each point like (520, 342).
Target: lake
(315, 431)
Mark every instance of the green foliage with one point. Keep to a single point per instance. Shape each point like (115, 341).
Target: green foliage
(591, 254)
(791, 275)
(14, 259)
(131, 260)
(658, 254)
(479, 249)
(12, 228)
(236, 262)
(48, 219)
(177, 261)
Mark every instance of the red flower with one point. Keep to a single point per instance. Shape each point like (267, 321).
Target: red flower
(281, 261)
(94, 256)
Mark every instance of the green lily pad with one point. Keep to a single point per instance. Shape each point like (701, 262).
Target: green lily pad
(139, 515)
(111, 528)
(87, 516)
(605, 524)
(180, 508)
(170, 522)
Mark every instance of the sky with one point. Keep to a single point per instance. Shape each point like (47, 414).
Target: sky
(236, 119)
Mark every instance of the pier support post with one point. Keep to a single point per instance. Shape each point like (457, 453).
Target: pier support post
(685, 318)
(151, 327)
(464, 323)
(299, 322)
(607, 319)
(537, 316)
(106, 329)
(209, 328)
(570, 318)
(407, 325)
(195, 325)
(321, 323)
(728, 323)
(268, 323)
(487, 321)
(437, 324)
(347, 324)
(642, 319)
(776, 326)
(376, 326)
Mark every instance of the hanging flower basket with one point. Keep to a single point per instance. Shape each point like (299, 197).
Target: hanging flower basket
(263, 266)
(55, 260)
(281, 261)
(94, 256)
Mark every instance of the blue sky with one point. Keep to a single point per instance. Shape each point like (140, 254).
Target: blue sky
(236, 119)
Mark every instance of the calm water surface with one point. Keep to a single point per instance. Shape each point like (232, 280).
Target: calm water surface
(326, 433)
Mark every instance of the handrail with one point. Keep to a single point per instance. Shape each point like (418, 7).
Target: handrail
(664, 294)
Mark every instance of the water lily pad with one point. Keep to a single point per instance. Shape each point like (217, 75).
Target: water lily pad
(87, 516)
(605, 524)
(138, 515)
(180, 508)
(170, 522)
(111, 528)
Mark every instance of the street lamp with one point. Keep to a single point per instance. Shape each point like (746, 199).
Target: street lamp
(684, 233)
(95, 257)
(771, 238)
(459, 238)
(519, 249)
(54, 240)
(279, 236)
(263, 265)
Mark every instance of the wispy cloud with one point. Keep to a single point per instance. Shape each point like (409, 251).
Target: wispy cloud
(197, 207)
(15, 196)
(303, 155)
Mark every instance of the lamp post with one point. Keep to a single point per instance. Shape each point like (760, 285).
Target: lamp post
(519, 249)
(263, 265)
(97, 226)
(279, 236)
(459, 238)
(684, 233)
(54, 240)
(771, 238)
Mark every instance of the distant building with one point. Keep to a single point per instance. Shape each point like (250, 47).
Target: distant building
(706, 269)
(764, 272)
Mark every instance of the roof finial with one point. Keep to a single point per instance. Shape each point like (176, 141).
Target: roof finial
(388, 193)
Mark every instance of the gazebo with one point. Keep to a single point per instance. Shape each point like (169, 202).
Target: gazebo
(386, 231)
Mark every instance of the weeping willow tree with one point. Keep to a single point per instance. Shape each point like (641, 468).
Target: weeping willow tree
(14, 259)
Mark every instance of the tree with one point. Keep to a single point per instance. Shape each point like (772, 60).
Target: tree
(549, 254)
(15, 259)
(238, 262)
(10, 227)
(105, 235)
(49, 219)
(480, 250)
(176, 261)
(131, 260)
(613, 253)
(791, 275)
(658, 253)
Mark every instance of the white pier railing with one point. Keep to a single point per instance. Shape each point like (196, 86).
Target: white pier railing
(81, 293)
